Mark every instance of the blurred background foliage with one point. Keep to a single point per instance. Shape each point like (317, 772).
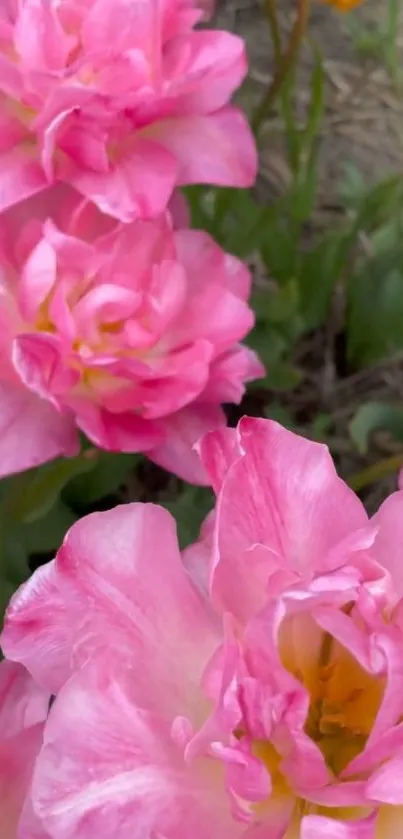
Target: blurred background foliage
(323, 234)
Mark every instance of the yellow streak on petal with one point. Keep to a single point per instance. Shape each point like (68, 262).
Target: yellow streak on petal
(390, 823)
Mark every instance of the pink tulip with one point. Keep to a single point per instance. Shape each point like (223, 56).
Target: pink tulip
(252, 688)
(121, 99)
(23, 710)
(128, 332)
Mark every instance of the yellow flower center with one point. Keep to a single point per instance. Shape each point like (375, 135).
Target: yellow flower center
(345, 698)
(344, 702)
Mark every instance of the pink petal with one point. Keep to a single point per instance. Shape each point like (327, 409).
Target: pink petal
(229, 374)
(216, 315)
(320, 827)
(291, 511)
(12, 131)
(199, 253)
(217, 148)
(110, 768)
(122, 432)
(103, 304)
(22, 702)
(20, 176)
(36, 630)
(109, 564)
(178, 207)
(125, 25)
(182, 431)
(39, 38)
(39, 362)
(138, 185)
(17, 759)
(24, 222)
(181, 378)
(206, 68)
(389, 541)
(31, 431)
(37, 279)
(29, 826)
(218, 450)
(23, 709)
(386, 783)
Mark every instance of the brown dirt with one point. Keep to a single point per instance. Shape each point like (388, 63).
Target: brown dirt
(363, 123)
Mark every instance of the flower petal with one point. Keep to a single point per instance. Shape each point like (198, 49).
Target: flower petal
(388, 546)
(320, 827)
(284, 494)
(109, 564)
(22, 702)
(386, 783)
(31, 431)
(138, 185)
(182, 430)
(17, 758)
(37, 631)
(216, 149)
(110, 768)
(20, 176)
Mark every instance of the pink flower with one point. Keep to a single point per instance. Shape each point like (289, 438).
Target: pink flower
(23, 710)
(131, 334)
(121, 99)
(253, 688)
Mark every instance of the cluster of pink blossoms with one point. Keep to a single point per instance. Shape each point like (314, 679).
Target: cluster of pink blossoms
(116, 319)
(251, 688)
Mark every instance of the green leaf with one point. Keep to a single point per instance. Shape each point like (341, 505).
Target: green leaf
(268, 343)
(282, 376)
(387, 236)
(14, 568)
(278, 249)
(7, 590)
(276, 306)
(35, 492)
(278, 413)
(373, 416)
(293, 135)
(375, 308)
(189, 510)
(303, 195)
(352, 187)
(104, 479)
(379, 203)
(245, 225)
(320, 427)
(318, 273)
(201, 204)
(316, 105)
(46, 534)
(13, 558)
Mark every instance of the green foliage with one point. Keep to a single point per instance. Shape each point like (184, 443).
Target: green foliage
(39, 506)
(381, 40)
(374, 416)
(189, 509)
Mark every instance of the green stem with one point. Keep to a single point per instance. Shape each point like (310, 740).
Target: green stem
(285, 65)
(274, 29)
(374, 473)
